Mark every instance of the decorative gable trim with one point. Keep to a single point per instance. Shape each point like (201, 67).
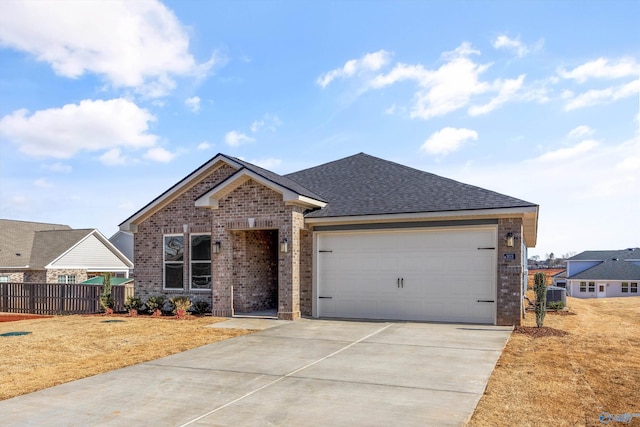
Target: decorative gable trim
(211, 198)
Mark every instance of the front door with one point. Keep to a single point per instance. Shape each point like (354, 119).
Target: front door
(602, 290)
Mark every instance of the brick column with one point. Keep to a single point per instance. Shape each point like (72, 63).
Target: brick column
(509, 299)
(289, 265)
(221, 272)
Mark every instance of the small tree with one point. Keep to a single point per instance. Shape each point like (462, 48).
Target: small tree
(540, 288)
(106, 299)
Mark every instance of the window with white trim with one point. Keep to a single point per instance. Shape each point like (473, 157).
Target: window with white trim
(625, 287)
(67, 278)
(200, 267)
(173, 261)
(634, 287)
(592, 286)
(583, 286)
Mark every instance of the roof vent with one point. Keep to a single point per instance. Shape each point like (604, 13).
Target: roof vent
(615, 259)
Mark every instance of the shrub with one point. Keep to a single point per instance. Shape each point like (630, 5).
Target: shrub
(556, 305)
(201, 307)
(133, 303)
(540, 288)
(155, 303)
(180, 303)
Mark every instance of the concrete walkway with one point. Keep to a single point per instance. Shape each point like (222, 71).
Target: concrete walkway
(307, 372)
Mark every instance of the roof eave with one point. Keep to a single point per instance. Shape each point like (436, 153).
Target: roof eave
(529, 214)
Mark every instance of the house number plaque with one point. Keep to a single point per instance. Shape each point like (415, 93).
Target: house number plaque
(509, 257)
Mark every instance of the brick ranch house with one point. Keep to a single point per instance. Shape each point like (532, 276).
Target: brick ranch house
(359, 237)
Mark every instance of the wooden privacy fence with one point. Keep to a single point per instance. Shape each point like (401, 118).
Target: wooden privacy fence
(56, 298)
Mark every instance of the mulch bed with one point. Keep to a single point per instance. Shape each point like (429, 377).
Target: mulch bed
(535, 332)
(16, 317)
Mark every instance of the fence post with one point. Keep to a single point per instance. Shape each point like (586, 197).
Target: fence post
(32, 298)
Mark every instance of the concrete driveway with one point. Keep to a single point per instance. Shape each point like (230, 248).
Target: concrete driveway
(307, 372)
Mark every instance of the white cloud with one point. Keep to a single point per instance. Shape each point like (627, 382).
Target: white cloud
(444, 90)
(204, 145)
(42, 183)
(507, 90)
(563, 154)
(369, 62)
(515, 45)
(59, 167)
(234, 138)
(267, 163)
(193, 103)
(602, 69)
(159, 154)
(602, 96)
(268, 121)
(113, 157)
(131, 44)
(448, 140)
(87, 126)
(580, 131)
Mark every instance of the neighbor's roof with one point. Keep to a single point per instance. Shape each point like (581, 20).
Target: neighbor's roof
(99, 280)
(49, 245)
(366, 185)
(35, 245)
(630, 253)
(610, 269)
(17, 241)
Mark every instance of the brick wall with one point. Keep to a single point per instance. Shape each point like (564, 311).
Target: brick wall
(306, 272)
(510, 274)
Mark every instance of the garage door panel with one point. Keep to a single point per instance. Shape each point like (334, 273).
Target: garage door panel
(416, 275)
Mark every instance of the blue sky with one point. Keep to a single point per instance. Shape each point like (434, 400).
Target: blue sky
(104, 105)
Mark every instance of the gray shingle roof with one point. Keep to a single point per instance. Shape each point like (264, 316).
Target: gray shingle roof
(282, 181)
(610, 270)
(366, 185)
(631, 253)
(37, 243)
(17, 237)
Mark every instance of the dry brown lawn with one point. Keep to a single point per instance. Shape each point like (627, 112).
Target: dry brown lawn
(66, 348)
(569, 380)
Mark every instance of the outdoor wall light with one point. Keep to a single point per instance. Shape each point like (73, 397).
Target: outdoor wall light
(284, 246)
(216, 247)
(510, 239)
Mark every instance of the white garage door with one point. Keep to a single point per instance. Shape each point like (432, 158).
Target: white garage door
(434, 275)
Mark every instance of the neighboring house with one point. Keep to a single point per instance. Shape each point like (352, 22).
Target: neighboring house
(124, 242)
(599, 274)
(359, 237)
(559, 279)
(33, 252)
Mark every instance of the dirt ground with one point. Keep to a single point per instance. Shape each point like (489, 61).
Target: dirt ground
(66, 348)
(11, 317)
(569, 380)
